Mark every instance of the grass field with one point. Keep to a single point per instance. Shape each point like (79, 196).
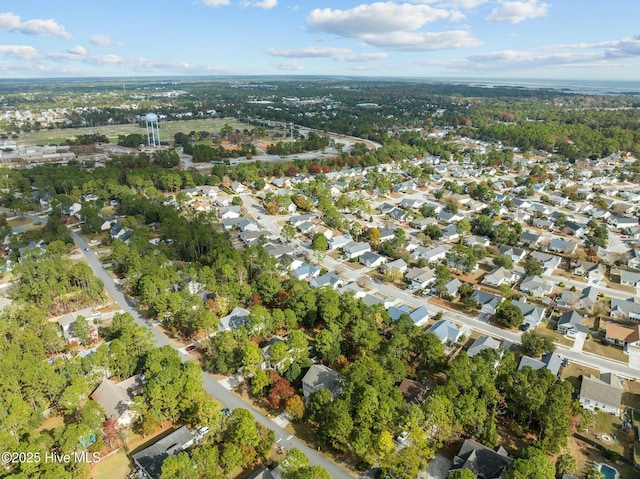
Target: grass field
(167, 130)
(117, 466)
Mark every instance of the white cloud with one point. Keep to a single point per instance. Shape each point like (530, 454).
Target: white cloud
(518, 11)
(288, 66)
(379, 17)
(101, 40)
(337, 54)
(77, 50)
(308, 52)
(395, 26)
(416, 41)
(24, 52)
(49, 27)
(215, 3)
(266, 4)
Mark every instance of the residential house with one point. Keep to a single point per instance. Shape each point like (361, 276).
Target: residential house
(150, 458)
(420, 278)
(115, 398)
(419, 315)
(515, 254)
(558, 200)
(630, 278)
(570, 324)
(372, 260)
(446, 331)
(628, 338)
(487, 302)
(482, 343)
(354, 250)
(319, 376)
(625, 309)
(330, 279)
(543, 224)
(603, 393)
(386, 234)
(533, 315)
(422, 223)
(233, 211)
(528, 238)
(449, 218)
(563, 246)
(451, 288)
(475, 240)
(352, 288)
(432, 255)
(550, 361)
(622, 222)
(372, 299)
(536, 286)
(593, 272)
(234, 320)
(413, 392)
(398, 265)
(575, 229)
(484, 462)
(634, 259)
(567, 300)
(297, 220)
(306, 271)
(499, 276)
(588, 298)
(549, 262)
(450, 233)
(341, 241)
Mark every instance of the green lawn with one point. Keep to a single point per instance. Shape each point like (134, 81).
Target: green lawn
(117, 466)
(167, 130)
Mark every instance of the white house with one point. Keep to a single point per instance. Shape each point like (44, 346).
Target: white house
(603, 393)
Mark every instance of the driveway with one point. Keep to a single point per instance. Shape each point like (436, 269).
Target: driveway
(439, 467)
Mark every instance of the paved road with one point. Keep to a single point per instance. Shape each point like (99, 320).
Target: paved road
(212, 386)
(587, 359)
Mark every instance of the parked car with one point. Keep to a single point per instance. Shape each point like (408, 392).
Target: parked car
(191, 347)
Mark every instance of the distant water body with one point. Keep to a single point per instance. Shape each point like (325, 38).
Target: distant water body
(586, 87)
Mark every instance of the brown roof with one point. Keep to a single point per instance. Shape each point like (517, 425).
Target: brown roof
(622, 333)
(413, 391)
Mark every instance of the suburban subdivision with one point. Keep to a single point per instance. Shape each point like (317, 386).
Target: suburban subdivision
(320, 278)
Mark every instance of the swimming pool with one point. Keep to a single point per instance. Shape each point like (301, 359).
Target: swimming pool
(609, 472)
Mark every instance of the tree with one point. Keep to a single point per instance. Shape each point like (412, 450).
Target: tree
(532, 462)
(509, 315)
(81, 329)
(462, 474)
(533, 267)
(178, 466)
(288, 233)
(594, 473)
(503, 261)
(566, 464)
(319, 242)
(534, 344)
(110, 430)
(295, 407)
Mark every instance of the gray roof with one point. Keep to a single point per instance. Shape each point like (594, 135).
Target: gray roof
(532, 314)
(320, 376)
(604, 390)
(445, 331)
(481, 460)
(116, 397)
(550, 361)
(151, 458)
(570, 317)
(235, 319)
(482, 343)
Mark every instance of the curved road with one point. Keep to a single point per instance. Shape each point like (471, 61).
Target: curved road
(212, 386)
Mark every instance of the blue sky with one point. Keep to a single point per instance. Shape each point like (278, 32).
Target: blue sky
(500, 39)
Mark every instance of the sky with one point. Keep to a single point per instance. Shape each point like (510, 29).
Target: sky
(453, 39)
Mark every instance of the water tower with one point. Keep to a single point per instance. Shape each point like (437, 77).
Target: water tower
(153, 130)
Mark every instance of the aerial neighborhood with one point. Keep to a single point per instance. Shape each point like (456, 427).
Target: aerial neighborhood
(317, 287)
